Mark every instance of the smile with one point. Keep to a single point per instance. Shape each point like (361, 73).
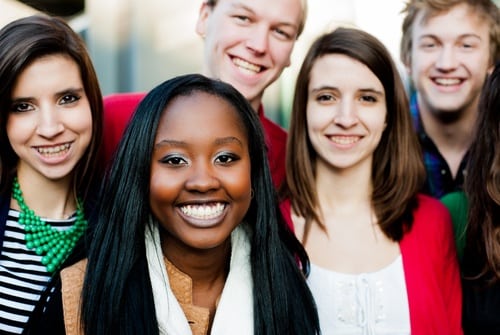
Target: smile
(447, 81)
(50, 151)
(244, 65)
(203, 212)
(344, 140)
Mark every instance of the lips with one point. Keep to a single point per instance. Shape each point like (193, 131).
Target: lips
(344, 139)
(54, 150)
(448, 81)
(247, 66)
(203, 211)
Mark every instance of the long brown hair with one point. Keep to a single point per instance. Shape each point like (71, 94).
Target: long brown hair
(482, 185)
(397, 170)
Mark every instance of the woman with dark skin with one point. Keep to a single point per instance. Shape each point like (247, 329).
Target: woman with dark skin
(189, 238)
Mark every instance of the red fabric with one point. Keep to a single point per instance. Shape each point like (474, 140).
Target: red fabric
(431, 269)
(276, 138)
(118, 110)
(119, 107)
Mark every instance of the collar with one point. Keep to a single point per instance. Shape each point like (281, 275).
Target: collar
(234, 313)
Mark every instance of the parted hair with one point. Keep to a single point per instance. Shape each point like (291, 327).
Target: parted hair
(117, 294)
(22, 42)
(397, 171)
(482, 186)
(486, 9)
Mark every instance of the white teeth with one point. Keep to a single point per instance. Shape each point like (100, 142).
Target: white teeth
(447, 81)
(344, 140)
(53, 151)
(203, 211)
(246, 65)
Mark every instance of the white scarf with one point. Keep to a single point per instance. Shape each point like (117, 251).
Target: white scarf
(234, 314)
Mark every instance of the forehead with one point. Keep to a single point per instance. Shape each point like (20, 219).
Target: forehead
(341, 71)
(201, 114)
(286, 11)
(53, 70)
(459, 20)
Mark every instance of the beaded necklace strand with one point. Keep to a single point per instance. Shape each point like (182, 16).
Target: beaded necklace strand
(54, 245)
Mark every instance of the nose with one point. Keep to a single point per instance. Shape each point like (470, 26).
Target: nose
(257, 39)
(447, 59)
(49, 123)
(203, 177)
(346, 115)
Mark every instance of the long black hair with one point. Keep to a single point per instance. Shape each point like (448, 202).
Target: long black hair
(117, 295)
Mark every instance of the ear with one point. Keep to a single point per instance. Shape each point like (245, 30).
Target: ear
(201, 24)
(490, 69)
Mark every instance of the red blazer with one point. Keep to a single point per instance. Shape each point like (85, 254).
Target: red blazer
(431, 270)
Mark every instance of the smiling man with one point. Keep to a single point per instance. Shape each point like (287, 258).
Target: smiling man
(248, 44)
(449, 48)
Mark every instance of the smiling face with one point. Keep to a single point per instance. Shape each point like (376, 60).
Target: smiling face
(346, 112)
(249, 43)
(200, 187)
(49, 125)
(450, 59)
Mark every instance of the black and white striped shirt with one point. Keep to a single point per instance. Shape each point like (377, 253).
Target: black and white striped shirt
(22, 275)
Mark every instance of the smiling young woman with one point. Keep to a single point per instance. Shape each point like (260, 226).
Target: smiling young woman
(189, 237)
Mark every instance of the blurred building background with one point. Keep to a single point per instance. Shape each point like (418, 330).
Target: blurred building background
(137, 44)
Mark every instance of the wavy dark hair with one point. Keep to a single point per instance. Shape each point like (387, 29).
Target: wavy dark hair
(482, 186)
(117, 295)
(397, 172)
(21, 43)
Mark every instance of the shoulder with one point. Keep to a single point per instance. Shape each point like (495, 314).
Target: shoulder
(430, 218)
(429, 207)
(272, 129)
(73, 275)
(72, 283)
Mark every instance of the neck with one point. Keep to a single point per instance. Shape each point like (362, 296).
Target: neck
(341, 189)
(206, 268)
(449, 130)
(48, 198)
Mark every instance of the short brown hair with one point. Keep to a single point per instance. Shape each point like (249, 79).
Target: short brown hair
(486, 9)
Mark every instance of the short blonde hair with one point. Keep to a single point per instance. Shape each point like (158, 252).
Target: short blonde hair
(302, 22)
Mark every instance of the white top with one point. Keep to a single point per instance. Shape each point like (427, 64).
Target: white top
(373, 303)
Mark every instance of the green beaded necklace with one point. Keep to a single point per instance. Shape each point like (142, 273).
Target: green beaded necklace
(54, 245)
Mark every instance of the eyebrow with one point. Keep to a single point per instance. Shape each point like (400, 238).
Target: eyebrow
(332, 88)
(459, 36)
(240, 5)
(218, 141)
(80, 90)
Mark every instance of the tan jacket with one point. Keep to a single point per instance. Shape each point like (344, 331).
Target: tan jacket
(72, 284)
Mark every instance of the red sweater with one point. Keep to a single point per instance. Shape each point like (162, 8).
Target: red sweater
(119, 107)
(431, 270)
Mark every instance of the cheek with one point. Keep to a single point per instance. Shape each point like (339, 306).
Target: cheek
(239, 183)
(20, 129)
(281, 52)
(162, 188)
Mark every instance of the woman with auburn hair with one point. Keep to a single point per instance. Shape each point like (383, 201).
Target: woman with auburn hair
(50, 136)
(383, 259)
(481, 260)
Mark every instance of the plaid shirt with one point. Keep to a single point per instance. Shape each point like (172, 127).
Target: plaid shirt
(439, 178)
